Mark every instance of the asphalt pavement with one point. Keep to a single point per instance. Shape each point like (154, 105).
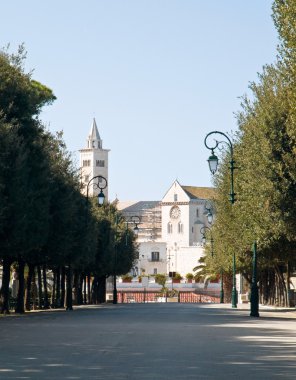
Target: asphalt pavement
(149, 342)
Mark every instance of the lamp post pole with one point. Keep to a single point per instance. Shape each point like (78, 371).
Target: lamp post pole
(115, 261)
(203, 232)
(136, 220)
(213, 164)
(254, 288)
(101, 185)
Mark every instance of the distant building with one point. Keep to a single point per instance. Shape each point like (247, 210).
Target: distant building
(152, 250)
(169, 234)
(93, 161)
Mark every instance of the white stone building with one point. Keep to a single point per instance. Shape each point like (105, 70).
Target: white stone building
(94, 162)
(169, 237)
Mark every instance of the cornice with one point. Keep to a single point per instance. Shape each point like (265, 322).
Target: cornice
(174, 203)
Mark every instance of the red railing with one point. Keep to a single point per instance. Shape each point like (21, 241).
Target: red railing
(140, 296)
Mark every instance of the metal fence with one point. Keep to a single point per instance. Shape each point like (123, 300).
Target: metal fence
(143, 296)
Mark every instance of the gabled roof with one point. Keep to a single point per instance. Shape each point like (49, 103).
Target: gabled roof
(199, 192)
(94, 133)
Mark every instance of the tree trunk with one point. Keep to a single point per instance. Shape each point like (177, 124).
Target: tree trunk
(63, 290)
(5, 286)
(20, 306)
(58, 287)
(45, 293)
(39, 287)
(75, 286)
(28, 287)
(88, 289)
(53, 299)
(69, 303)
(102, 289)
(94, 290)
(84, 289)
(79, 290)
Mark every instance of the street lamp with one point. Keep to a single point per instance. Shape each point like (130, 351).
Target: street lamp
(213, 160)
(254, 288)
(209, 211)
(204, 230)
(213, 165)
(101, 185)
(136, 220)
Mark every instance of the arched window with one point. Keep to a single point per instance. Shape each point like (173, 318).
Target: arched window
(170, 228)
(180, 228)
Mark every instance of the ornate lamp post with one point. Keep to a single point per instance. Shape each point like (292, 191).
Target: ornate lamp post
(204, 231)
(254, 288)
(213, 165)
(209, 212)
(136, 220)
(101, 184)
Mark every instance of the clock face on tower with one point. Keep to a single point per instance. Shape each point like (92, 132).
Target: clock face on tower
(175, 212)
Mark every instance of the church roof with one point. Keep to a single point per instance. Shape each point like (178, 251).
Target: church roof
(139, 206)
(199, 192)
(94, 133)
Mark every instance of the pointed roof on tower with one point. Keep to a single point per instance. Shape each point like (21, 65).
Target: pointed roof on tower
(94, 133)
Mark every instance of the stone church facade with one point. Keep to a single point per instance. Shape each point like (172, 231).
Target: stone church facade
(178, 217)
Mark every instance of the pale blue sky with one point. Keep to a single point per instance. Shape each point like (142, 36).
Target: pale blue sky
(157, 75)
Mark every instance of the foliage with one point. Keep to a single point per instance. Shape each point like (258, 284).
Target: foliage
(177, 276)
(126, 277)
(265, 174)
(160, 279)
(44, 219)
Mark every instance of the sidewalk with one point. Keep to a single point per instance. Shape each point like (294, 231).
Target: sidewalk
(264, 310)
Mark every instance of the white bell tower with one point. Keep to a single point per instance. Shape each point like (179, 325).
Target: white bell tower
(94, 162)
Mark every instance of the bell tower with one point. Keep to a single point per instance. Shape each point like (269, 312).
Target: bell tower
(93, 161)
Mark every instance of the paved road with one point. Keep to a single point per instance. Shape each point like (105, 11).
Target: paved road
(149, 342)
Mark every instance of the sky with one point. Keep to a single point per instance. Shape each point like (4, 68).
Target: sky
(157, 75)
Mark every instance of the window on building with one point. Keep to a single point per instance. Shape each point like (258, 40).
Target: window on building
(175, 197)
(155, 271)
(197, 212)
(86, 178)
(154, 256)
(192, 230)
(170, 228)
(180, 228)
(100, 163)
(86, 163)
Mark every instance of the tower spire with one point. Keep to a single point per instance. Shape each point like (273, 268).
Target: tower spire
(94, 140)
